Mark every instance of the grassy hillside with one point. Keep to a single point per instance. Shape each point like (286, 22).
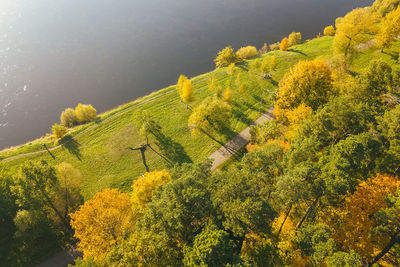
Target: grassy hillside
(99, 149)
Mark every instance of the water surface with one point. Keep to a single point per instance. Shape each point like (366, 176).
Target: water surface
(57, 53)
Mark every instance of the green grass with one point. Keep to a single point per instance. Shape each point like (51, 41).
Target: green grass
(99, 149)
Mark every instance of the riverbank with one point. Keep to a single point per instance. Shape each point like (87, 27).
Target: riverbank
(98, 149)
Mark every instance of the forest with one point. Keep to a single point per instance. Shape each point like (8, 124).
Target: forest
(317, 185)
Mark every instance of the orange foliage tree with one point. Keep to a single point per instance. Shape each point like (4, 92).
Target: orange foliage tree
(102, 222)
(352, 223)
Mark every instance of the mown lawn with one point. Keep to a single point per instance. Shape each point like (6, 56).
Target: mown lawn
(99, 149)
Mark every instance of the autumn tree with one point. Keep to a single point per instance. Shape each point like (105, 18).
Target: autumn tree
(246, 52)
(144, 187)
(185, 89)
(231, 69)
(356, 27)
(59, 131)
(211, 116)
(329, 31)
(389, 30)
(68, 118)
(102, 222)
(284, 44)
(227, 94)
(225, 57)
(360, 207)
(309, 82)
(294, 39)
(85, 113)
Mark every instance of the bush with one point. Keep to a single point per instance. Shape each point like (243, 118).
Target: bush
(284, 44)
(85, 113)
(247, 52)
(274, 46)
(59, 131)
(294, 38)
(225, 57)
(68, 118)
(329, 31)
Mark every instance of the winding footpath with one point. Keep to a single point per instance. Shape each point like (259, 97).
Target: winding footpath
(65, 257)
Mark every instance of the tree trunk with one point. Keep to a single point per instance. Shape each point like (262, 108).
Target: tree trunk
(309, 210)
(393, 240)
(284, 220)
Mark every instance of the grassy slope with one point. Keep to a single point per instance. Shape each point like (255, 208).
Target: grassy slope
(98, 149)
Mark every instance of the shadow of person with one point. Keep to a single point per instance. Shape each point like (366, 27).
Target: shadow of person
(72, 146)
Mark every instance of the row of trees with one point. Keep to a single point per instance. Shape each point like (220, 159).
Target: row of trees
(70, 117)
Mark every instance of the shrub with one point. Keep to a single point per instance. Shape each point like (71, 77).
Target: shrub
(85, 113)
(274, 46)
(59, 131)
(329, 31)
(284, 44)
(247, 52)
(225, 57)
(263, 49)
(68, 118)
(294, 38)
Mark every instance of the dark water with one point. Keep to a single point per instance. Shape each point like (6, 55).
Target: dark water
(56, 53)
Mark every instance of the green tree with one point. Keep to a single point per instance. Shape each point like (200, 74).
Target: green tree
(37, 186)
(343, 259)
(8, 210)
(211, 116)
(212, 247)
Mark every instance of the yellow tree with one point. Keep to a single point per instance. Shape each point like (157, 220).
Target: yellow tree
(352, 223)
(101, 222)
(390, 29)
(295, 117)
(284, 44)
(227, 94)
(187, 92)
(85, 113)
(185, 89)
(356, 27)
(59, 131)
(329, 31)
(144, 187)
(309, 82)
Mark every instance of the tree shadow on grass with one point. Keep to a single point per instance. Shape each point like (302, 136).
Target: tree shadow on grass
(172, 150)
(297, 51)
(240, 115)
(72, 146)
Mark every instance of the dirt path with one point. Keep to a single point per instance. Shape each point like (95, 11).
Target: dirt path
(236, 143)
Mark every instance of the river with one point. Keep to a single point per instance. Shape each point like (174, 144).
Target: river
(57, 53)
